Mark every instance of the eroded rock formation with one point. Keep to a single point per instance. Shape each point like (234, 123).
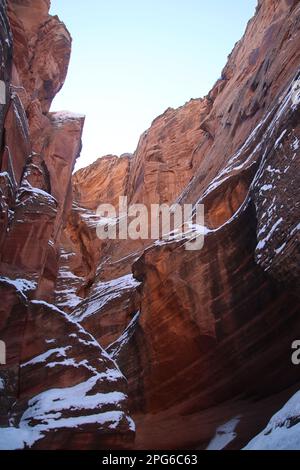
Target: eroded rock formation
(203, 337)
(58, 388)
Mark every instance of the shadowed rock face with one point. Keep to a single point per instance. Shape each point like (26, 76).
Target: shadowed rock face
(203, 337)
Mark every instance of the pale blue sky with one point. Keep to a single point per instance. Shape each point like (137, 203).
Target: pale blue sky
(132, 59)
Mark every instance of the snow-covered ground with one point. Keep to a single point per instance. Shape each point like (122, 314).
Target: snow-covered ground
(283, 430)
(224, 435)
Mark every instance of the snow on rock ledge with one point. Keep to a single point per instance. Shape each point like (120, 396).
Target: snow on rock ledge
(283, 430)
(70, 389)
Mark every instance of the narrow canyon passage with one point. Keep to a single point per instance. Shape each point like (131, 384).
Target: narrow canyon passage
(141, 343)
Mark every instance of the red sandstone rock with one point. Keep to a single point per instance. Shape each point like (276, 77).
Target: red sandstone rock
(54, 369)
(203, 337)
(42, 50)
(60, 388)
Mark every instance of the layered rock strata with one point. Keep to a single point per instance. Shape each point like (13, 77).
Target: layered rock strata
(203, 337)
(58, 387)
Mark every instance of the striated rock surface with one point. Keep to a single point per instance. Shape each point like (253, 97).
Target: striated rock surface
(58, 387)
(206, 324)
(102, 182)
(69, 393)
(164, 161)
(203, 337)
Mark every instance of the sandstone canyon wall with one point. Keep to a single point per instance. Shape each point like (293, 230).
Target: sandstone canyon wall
(58, 388)
(131, 343)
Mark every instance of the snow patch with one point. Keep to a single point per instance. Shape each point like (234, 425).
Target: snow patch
(295, 145)
(224, 435)
(263, 242)
(27, 188)
(21, 285)
(265, 187)
(61, 116)
(116, 347)
(282, 431)
(106, 291)
(2, 384)
(280, 249)
(42, 358)
(280, 138)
